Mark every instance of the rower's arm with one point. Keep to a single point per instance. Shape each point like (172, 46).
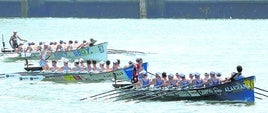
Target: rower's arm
(21, 39)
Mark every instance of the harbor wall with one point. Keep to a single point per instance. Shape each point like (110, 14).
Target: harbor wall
(244, 9)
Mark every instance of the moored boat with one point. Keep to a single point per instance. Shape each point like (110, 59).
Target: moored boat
(87, 77)
(235, 91)
(96, 52)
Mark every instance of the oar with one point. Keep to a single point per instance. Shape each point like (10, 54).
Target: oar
(129, 95)
(143, 93)
(158, 94)
(105, 92)
(126, 93)
(258, 98)
(261, 94)
(261, 89)
(111, 94)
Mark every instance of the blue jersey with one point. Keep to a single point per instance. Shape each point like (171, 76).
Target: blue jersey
(158, 83)
(198, 83)
(145, 83)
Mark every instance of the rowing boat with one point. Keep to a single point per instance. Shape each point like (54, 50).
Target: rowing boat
(235, 91)
(69, 77)
(97, 52)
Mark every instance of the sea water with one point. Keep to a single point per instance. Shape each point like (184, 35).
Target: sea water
(170, 45)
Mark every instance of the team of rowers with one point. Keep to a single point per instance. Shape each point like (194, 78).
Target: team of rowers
(180, 80)
(79, 65)
(54, 46)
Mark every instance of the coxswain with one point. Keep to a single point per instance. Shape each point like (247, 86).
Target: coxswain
(13, 41)
(238, 75)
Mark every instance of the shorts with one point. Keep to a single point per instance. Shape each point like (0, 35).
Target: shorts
(42, 63)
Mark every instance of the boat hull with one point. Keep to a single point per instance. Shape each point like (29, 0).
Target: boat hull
(236, 91)
(97, 52)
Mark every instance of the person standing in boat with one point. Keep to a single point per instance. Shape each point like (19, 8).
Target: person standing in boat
(13, 41)
(43, 56)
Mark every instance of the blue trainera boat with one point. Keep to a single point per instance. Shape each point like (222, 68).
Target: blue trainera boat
(66, 77)
(235, 91)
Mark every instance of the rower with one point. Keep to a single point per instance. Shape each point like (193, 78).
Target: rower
(157, 81)
(101, 67)
(54, 67)
(171, 82)
(88, 67)
(81, 61)
(164, 76)
(184, 83)
(65, 67)
(77, 67)
(108, 68)
(92, 42)
(213, 81)
(198, 82)
(70, 46)
(144, 81)
(13, 41)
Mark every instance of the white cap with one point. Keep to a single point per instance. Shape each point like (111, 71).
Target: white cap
(170, 75)
(81, 60)
(64, 59)
(76, 60)
(102, 62)
(182, 75)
